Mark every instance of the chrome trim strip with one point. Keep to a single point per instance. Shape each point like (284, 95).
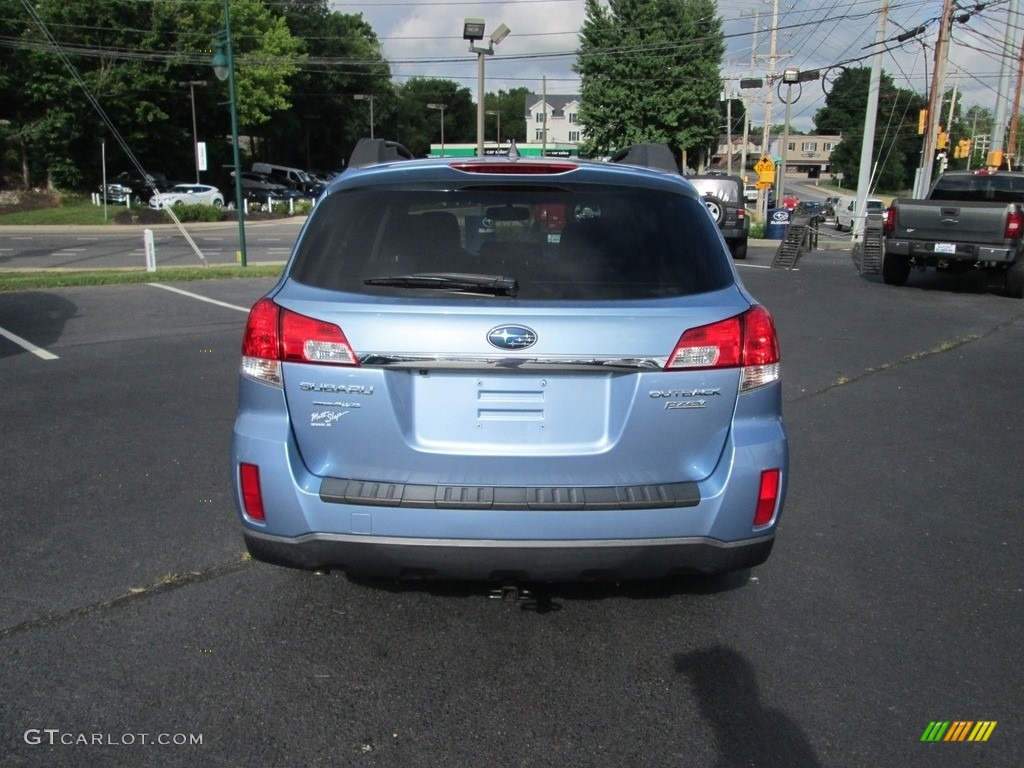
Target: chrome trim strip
(465, 362)
(348, 538)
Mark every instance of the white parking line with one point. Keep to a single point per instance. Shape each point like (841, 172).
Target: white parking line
(28, 345)
(201, 298)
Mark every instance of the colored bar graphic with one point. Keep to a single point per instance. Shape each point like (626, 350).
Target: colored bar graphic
(935, 731)
(958, 730)
(982, 730)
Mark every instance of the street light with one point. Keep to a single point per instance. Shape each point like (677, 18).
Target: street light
(195, 136)
(367, 97)
(473, 30)
(497, 114)
(442, 107)
(223, 64)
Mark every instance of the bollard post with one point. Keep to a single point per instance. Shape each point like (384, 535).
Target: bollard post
(150, 247)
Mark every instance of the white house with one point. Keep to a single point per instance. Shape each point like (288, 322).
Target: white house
(559, 115)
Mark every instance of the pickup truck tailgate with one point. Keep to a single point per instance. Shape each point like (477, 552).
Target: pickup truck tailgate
(953, 221)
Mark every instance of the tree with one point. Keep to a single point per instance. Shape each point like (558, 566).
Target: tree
(650, 73)
(420, 126)
(323, 112)
(509, 104)
(131, 58)
(896, 147)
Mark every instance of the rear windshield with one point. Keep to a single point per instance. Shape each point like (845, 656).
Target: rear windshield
(580, 242)
(994, 188)
(722, 187)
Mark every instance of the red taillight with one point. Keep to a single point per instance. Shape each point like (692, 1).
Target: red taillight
(767, 496)
(760, 342)
(890, 220)
(741, 213)
(744, 340)
(273, 333)
(709, 346)
(1014, 222)
(307, 340)
(514, 167)
(261, 337)
(252, 498)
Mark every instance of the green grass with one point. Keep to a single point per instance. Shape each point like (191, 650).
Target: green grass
(45, 279)
(71, 212)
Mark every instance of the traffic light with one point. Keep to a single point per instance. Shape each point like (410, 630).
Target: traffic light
(943, 139)
(922, 121)
(963, 148)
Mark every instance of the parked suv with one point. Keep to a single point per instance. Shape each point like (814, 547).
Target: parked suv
(725, 200)
(509, 369)
(128, 188)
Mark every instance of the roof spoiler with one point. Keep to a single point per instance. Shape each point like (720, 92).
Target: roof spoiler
(377, 151)
(656, 156)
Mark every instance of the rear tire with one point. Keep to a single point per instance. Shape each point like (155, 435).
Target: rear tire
(739, 250)
(1015, 280)
(895, 269)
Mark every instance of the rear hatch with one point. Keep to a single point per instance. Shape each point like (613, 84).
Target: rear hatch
(509, 330)
(434, 401)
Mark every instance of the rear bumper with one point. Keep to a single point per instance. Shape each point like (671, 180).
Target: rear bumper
(388, 528)
(387, 557)
(924, 252)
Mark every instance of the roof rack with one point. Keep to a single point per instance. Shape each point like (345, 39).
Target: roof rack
(656, 156)
(376, 151)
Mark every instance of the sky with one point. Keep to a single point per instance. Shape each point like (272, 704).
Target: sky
(424, 39)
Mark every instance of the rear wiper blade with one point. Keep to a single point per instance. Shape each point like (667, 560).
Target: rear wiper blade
(499, 285)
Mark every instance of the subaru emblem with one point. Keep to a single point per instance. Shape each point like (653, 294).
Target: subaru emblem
(511, 337)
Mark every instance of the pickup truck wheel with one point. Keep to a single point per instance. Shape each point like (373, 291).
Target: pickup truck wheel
(1015, 280)
(895, 269)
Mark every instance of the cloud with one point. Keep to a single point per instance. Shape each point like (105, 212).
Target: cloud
(424, 39)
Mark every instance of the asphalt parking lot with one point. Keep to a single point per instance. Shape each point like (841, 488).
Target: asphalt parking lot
(133, 632)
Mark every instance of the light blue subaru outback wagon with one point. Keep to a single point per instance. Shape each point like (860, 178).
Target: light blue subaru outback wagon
(510, 368)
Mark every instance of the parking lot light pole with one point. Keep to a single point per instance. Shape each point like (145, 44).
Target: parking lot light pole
(367, 97)
(473, 30)
(442, 107)
(223, 64)
(497, 114)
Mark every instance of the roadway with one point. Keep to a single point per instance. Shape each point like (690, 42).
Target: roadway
(893, 597)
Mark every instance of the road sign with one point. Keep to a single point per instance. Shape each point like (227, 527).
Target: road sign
(765, 172)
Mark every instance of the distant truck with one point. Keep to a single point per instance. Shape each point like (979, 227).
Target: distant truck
(130, 187)
(970, 220)
(296, 178)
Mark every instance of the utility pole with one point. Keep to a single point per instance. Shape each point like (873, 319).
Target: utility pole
(773, 62)
(868, 144)
(746, 138)
(1011, 142)
(728, 131)
(924, 182)
(544, 125)
(1013, 12)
